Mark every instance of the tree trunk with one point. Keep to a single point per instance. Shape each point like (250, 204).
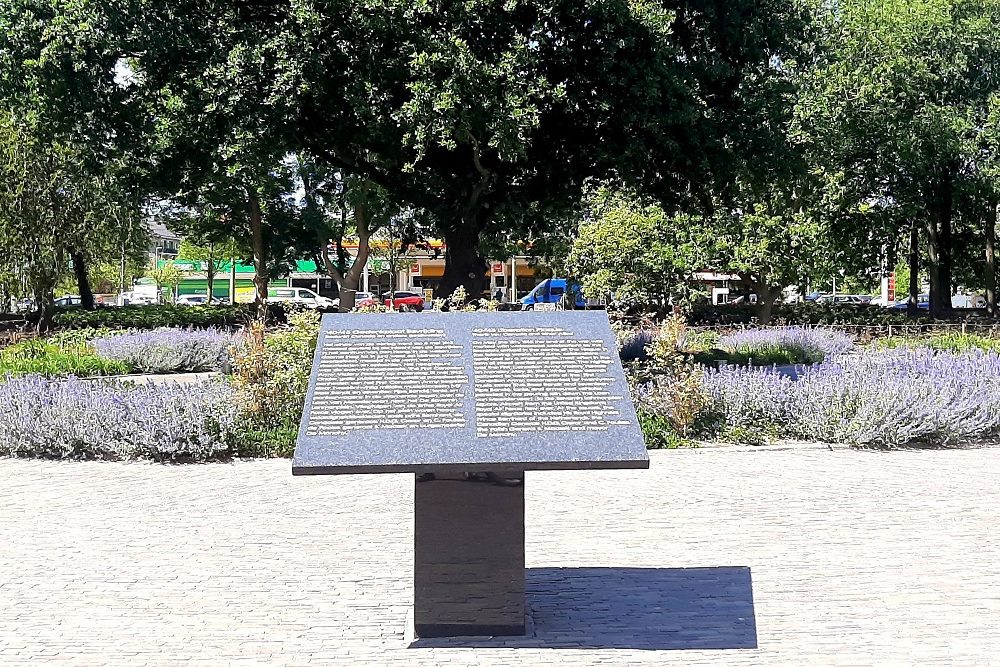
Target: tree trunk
(210, 279)
(46, 307)
(351, 279)
(82, 281)
(122, 287)
(991, 266)
(766, 294)
(260, 278)
(939, 251)
(463, 266)
(913, 259)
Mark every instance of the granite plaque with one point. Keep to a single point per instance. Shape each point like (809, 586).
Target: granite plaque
(467, 391)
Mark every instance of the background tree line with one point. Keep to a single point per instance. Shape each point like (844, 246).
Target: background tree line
(783, 140)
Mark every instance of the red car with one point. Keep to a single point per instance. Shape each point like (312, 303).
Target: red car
(405, 301)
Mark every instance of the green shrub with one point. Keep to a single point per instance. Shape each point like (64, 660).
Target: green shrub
(44, 358)
(943, 342)
(659, 432)
(152, 317)
(803, 314)
(764, 355)
(251, 442)
(271, 375)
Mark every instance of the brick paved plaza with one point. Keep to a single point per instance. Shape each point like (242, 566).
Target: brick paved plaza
(712, 557)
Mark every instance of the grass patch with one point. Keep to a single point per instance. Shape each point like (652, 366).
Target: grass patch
(50, 360)
(942, 342)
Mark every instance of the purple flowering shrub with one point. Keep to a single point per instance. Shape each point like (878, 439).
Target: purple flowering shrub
(786, 344)
(886, 399)
(169, 350)
(633, 344)
(73, 418)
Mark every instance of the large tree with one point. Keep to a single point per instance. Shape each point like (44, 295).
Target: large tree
(899, 110)
(43, 209)
(488, 116)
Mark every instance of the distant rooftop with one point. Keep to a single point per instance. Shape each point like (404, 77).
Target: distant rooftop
(158, 231)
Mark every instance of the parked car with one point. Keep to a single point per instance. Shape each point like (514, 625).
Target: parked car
(360, 298)
(135, 299)
(551, 290)
(301, 296)
(406, 301)
(968, 301)
(197, 300)
(26, 305)
(812, 296)
(365, 299)
(68, 300)
(843, 300)
(923, 302)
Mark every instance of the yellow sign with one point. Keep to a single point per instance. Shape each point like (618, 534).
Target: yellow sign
(245, 294)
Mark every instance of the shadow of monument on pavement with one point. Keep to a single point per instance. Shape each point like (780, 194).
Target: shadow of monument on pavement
(632, 608)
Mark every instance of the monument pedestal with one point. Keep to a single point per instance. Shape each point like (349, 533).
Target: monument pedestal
(468, 570)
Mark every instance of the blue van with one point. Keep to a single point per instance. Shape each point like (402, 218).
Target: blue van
(551, 290)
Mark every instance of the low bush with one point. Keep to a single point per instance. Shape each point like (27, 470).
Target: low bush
(659, 432)
(802, 314)
(50, 360)
(633, 344)
(278, 442)
(947, 342)
(887, 399)
(169, 350)
(668, 391)
(152, 317)
(783, 345)
(109, 419)
(271, 375)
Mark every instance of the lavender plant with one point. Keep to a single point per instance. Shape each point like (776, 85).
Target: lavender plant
(73, 418)
(888, 399)
(169, 350)
(786, 344)
(633, 343)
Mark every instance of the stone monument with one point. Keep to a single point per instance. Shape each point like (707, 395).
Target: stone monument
(467, 402)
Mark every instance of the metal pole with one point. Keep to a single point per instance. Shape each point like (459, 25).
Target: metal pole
(513, 279)
(232, 280)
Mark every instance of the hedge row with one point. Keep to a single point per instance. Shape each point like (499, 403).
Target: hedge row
(152, 317)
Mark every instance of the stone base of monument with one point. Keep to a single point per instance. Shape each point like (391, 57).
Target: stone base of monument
(411, 640)
(468, 570)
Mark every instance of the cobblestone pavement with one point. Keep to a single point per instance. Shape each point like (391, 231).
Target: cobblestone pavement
(711, 557)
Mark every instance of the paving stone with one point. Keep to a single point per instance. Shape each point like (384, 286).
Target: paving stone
(712, 557)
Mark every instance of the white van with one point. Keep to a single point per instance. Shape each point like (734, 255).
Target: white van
(299, 295)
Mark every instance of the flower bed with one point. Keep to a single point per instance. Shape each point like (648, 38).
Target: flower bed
(783, 345)
(107, 419)
(169, 350)
(886, 399)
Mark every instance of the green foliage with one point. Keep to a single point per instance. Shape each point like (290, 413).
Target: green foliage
(487, 116)
(629, 252)
(51, 360)
(802, 314)
(659, 432)
(271, 375)
(945, 342)
(249, 441)
(152, 317)
(167, 275)
(761, 355)
(897, 118)
(672, 389)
